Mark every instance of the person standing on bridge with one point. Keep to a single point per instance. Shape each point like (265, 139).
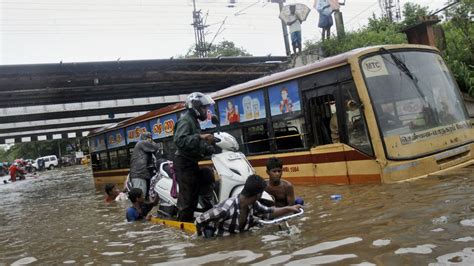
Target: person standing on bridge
(141, 163)
(192, 146)
(295, 29)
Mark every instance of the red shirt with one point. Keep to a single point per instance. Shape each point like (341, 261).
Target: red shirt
(233, 117)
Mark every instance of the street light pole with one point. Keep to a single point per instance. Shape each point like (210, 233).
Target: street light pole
(283, 27)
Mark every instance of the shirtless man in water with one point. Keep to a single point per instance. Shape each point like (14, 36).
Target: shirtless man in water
(280, 189)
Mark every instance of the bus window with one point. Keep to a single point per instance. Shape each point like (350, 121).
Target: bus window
(257, 138)
(288, 134)
(95, 162)
(103, 162)
(113, 160)
(122, 158)
(237, 133)
(355, 125)
(130, 150)
(320, 117)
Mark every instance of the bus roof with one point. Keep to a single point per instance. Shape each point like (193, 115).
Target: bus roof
(292, 73)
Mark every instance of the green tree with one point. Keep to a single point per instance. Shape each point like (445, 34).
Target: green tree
(35, 149)
(5, 155)
(411, 13)
(459, 53)
(224, 48)
(378, 31)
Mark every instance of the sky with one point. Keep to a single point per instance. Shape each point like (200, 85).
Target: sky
(50, 31)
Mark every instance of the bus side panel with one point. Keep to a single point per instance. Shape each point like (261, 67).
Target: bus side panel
(326, 164)
(297, 166)
(117, 176)
(298, 174)
(361, 169)
(330, 164)
(364, 172)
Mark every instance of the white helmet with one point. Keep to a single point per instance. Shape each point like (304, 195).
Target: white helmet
(196, 100)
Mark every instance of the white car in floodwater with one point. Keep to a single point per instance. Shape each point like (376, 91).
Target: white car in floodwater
(50, 162)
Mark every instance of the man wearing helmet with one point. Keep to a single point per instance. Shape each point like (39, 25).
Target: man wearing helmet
(192, 146)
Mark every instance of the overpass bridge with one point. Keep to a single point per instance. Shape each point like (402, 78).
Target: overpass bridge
(67, 100)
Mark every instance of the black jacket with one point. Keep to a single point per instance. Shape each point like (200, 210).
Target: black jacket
(142, 159)
(187, 140)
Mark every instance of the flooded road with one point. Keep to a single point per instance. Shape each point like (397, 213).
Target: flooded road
(61, 218)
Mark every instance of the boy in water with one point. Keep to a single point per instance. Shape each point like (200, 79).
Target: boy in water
(239, 213)
(139, 209)
(280, 189)
(113, 193)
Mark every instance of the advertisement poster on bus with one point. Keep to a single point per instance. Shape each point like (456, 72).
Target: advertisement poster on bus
(208, 123)
(284, 98)
(115, 139)
(242, 108)
(134, 132)
(163, 127)
(97, 143)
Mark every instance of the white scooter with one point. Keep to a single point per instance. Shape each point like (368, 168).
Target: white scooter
(231, 165)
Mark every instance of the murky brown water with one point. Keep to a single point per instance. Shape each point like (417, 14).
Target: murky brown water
(61, 218)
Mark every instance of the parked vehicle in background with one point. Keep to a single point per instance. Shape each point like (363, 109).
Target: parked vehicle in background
(86, 159)
(4, 166)
(68, 160)
(29, 165)
(50, 162)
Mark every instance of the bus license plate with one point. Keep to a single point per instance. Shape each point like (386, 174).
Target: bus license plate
(234, 156)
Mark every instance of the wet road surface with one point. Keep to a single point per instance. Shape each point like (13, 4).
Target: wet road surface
(61, 217)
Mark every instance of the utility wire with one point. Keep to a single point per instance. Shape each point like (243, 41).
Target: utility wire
(217, 33)
(360, 13)
(444, 8)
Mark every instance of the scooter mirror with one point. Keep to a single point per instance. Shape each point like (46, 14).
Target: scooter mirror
(215, 120)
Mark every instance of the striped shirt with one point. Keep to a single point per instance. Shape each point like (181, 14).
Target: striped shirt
(224, 217)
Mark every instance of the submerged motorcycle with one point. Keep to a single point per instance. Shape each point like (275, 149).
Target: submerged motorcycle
(232, 167)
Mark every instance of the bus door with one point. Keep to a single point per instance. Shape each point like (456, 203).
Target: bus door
(358, 150)
(327, 152)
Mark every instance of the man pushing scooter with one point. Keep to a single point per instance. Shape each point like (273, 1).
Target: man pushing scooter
(240, 212)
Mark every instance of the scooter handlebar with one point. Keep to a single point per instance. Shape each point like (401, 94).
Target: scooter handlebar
(282, 219)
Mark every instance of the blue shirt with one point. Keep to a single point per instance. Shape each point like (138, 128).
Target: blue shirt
(134, 215)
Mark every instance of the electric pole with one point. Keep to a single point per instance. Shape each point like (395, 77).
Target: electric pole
(389, 7)
(283, 27)
(339, 22)
(198, 24)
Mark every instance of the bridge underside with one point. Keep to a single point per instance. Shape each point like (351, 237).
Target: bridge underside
(52, 101)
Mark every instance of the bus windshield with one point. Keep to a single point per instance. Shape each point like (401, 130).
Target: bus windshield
(415, 100)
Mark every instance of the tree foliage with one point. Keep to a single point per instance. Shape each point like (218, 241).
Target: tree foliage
(459, 34)
(35, 149)
(224, 48)
(378, 31)
(411, 12)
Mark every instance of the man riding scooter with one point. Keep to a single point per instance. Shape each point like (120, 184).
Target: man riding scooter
(192, 146)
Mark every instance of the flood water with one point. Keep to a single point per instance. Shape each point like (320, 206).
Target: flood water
(61, 217)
